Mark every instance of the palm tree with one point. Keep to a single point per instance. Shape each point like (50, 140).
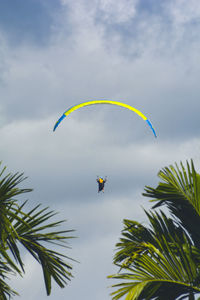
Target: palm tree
(162, 261)
(31, 230)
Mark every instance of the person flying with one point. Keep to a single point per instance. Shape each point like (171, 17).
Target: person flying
(101, 182)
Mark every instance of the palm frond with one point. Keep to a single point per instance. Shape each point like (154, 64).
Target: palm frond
(153, 259)
(151, 274)
(31, 230)
(180, 192)
(33, 233)
(5, 290)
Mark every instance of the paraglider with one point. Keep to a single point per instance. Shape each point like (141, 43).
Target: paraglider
(101, 182)
(75, 107)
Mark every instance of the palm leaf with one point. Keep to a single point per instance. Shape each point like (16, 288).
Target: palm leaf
(33, 239)
(153, 259)
(152, 274)
(32, 230)
(180, 192)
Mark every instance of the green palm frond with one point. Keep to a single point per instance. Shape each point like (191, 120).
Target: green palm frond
(129, 246)
(163, 261)
(135, 235)
(152, 260)
(5, 290)
(9, 186)
(184, 183)
(8, 207)
(32, 230)
(33, 239)
(154, 272)
(180, 192)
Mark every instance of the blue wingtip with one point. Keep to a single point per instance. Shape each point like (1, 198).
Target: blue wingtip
(149, 123)
(58, 122)
(56, 125)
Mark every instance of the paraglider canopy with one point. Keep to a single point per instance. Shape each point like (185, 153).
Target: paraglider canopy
(75, 107)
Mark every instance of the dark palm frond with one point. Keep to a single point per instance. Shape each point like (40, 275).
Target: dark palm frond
(180, 192)
(158, 273)
(156, 261)
(129, 246)
(52, 262)
(8, 206)
(37, 230)
(5, 290)
(31, 230)
(163, 261)
(134, 235)
(35, 227)
(9, 186)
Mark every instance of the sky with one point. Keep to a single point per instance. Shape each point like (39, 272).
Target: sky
(57, 53)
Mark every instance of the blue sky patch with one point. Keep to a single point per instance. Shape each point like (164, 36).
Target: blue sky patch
(30, 20)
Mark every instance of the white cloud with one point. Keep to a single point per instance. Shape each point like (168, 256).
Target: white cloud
(112, 11)
(184, 12)
(118, 11)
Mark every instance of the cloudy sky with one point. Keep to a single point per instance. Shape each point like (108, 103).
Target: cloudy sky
(57, 53)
